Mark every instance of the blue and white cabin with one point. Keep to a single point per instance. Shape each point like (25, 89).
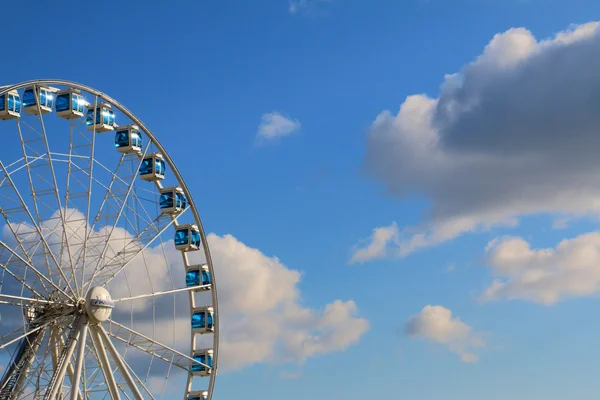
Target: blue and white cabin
(203, 320)
(172, 200)
(187, 237)
(44, 94)
(128, 139)
(70, 104)
(101, 119)
(197, 395)
(198, 275)
(205, 362)
(10, 105)
(153, 167)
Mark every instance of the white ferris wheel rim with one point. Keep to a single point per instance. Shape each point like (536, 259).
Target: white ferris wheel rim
(173, 169)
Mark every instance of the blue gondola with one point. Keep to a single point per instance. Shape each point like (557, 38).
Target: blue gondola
(44, 94)
(153, 167)
(10, 105)
(172, 200)
(70, 104)
(203, 320)
(101, 119)
(205, 357)
(198, 395)
(198, 275)
(187, 238)
(128, 139)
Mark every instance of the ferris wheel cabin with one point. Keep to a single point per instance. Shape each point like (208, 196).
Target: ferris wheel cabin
(152, 168)
(187, 238)
(70, 104)
(172, 200)
(205, 357)
(128, 139)
(203, 320)
(10, 105)
(197, 395)
(104, 118)
(198, 275)
(44, 94)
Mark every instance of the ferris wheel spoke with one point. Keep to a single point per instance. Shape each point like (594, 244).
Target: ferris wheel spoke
(79, 362)
(5, 268)
(6, 211)
(56, 193)
(105, 367)
(38, 273)
(137, 378)
(78, 189)
(91, 234)
(15, 377)
(37, 228)
(58, 377)
(151, 346)
(140, 383)
(92, 381)
(118, 216)
(41, 367)
(89, 204)
(31, 300)
(123, 366)
(58, 346)
(135, 247)
(12, 340)
(157, 294)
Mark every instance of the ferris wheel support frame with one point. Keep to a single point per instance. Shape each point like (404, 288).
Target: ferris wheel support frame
(97, 332)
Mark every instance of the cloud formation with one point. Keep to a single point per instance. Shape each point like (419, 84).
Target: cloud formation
(261, 313)
(274, 126)
(263, 318)
(436, 324)
(546, 275)
(514, 133)
(378, 244)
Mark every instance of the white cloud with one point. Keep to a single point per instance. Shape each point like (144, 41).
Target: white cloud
(262, 316)
(378, 245)
(274, 125)
(263, 319)
(514, 133)
(545, 275)
(436, 324)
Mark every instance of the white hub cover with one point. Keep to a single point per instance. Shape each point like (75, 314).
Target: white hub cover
(98, 304)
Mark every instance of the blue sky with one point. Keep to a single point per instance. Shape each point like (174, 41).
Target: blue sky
(203, 74)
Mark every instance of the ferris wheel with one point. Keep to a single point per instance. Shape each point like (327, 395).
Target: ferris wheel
(107, 288)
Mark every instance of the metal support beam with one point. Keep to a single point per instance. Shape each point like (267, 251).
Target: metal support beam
(120, 363)
(64, 361)
(104, 364)
(79, 363)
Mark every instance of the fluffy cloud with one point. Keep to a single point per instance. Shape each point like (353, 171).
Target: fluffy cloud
(515, 132)
(274, 125)
(378, 244)
(263, 319)
(544, 275)
(262, 316)
(436, 324)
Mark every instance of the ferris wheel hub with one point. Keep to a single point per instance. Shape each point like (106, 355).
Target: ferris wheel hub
(98, 304)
